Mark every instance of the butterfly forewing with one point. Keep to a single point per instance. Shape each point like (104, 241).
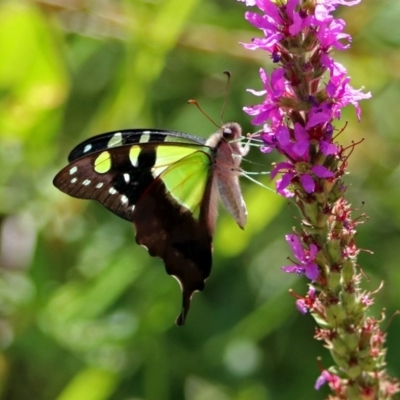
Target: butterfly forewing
(130, 137)
(119, 176)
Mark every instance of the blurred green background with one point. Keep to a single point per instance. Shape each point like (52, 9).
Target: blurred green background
(85, 313)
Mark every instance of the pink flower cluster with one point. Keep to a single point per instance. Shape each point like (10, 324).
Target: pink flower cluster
(299, 106)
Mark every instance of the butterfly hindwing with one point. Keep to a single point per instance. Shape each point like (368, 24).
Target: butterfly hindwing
(169, 230)
(171, 221)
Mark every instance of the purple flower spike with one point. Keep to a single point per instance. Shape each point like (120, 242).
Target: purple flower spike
(299, 103)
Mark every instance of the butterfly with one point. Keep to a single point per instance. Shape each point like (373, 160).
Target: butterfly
(167, 184)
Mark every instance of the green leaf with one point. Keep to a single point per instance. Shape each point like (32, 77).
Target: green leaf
(90, 384)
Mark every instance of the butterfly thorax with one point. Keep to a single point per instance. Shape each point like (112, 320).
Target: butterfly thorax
(226, 170)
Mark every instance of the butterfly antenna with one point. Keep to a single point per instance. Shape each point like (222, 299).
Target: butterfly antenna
(227, 89)
(195, 102)
(203, 112)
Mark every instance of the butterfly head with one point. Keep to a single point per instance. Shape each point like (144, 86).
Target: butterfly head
(231, 131)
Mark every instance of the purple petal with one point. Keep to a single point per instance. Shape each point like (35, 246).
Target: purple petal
(321, 380)
(266, 149)
(312, 271)
(283, 136)
(300, 148)
(283, 183)
(322, 172)
(255, 19)
(322, 14)
(328, 148)
(278, 82)
(301, 306)
(313, 251)
(293, 269)
(296, 246)
(332, 34)
(283, 191)
(302, 140)
(311, 293)
(300, 133)
(261, 117)
(308, 183)
(291, 6)
(281, 166)
(269, 8)
(264, 76)
(265, 43)
(319, 115)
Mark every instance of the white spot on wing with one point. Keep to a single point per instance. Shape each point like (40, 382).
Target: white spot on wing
(74, 180)
(127, 178)
(124, 199)
(73, 170)
(115, 140)
(144, 137)
(134, 153)
(112, 190)
(86, 182)
(87, 148)
(99, 185)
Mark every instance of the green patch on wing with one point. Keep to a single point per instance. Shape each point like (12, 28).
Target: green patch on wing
(102, 163)
(170, 154)
(186, 178)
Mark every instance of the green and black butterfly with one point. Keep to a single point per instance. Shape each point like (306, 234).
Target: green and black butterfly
(168, 184)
